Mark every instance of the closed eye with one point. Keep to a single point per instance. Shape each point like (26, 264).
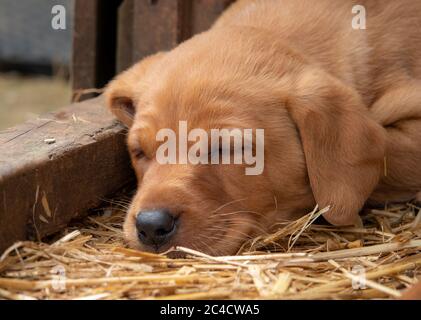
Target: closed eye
(138, 154)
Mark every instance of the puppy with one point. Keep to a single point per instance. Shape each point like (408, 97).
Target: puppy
(340, 108)
(413, 293)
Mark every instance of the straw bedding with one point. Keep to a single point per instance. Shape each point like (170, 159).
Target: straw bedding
(299, 260)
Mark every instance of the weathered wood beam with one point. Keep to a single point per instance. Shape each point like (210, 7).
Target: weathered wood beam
(94, 44)
(85, 40)
(56, 168)
(147, 26)
(205, 12)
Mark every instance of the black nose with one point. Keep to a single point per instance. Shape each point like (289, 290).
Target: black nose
(155, 227)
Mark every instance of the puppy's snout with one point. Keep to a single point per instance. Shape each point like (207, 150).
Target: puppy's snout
(155, 227)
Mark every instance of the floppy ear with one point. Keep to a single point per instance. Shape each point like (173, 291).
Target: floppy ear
(121, 94)
(343, 147)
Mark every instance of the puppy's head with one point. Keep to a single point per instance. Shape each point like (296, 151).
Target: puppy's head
(320, 146)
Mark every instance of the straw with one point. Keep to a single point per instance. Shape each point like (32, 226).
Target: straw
(298, 260)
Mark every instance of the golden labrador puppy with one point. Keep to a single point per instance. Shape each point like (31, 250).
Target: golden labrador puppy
(340, 107)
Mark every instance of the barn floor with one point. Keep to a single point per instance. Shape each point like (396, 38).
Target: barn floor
(24, 98)
(300, 260)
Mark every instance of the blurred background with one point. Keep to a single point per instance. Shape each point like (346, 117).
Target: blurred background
(34, 59)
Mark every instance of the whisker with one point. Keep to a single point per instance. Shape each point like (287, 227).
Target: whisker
(227, 232)
(276, 202)
(255, 225)
(118, 203)
(235, 231)
(224, 224)
(227, 204)
(115, 200)
(227, 236)
(243, 211)
(121, 205)
(243, 219)
(121, 202)
(211, 250)
(259, 231)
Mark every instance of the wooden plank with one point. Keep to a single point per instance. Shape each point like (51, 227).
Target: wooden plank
(84, 44)
(146, 27)
(94, 44)
(44, 186)
(111, 36)
(107, 41)
(125, 35)
(205, 13)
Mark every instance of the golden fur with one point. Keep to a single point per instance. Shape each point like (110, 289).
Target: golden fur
(341, 109)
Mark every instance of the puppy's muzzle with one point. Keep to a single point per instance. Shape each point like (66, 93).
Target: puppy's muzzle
(155, 228)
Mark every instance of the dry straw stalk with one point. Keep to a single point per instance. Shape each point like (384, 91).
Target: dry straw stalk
(299, 260)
